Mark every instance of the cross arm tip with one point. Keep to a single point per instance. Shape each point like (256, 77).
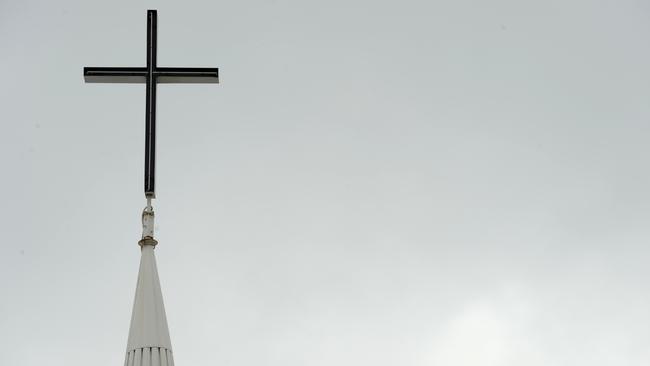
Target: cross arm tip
(198, 75)
(115, 74)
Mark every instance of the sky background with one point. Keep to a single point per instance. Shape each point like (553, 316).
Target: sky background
(405, 183)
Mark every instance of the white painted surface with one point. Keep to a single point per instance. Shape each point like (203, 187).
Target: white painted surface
(148, 334)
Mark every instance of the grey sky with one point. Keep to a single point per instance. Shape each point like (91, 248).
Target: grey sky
(372, 183)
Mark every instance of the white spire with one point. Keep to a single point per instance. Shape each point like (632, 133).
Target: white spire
(149, 343)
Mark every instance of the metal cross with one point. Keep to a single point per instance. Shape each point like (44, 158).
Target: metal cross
(150, 75)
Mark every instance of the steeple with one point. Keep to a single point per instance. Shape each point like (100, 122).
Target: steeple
(149, 342)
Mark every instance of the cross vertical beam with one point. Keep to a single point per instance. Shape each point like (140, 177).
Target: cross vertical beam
(151, 75)
(150, 113)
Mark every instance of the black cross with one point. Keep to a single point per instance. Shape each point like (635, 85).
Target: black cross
(150, 75)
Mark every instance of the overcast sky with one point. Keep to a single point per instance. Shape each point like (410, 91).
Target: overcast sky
(400, 183)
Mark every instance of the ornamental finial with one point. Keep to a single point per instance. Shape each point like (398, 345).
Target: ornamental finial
(148, 225)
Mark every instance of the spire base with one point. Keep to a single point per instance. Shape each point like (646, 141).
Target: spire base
(149, 356)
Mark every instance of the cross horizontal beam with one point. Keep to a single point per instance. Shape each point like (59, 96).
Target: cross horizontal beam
(163, 75)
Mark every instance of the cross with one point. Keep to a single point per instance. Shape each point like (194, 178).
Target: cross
(150, 75)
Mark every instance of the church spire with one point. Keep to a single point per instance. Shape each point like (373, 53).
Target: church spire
(149, 342)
